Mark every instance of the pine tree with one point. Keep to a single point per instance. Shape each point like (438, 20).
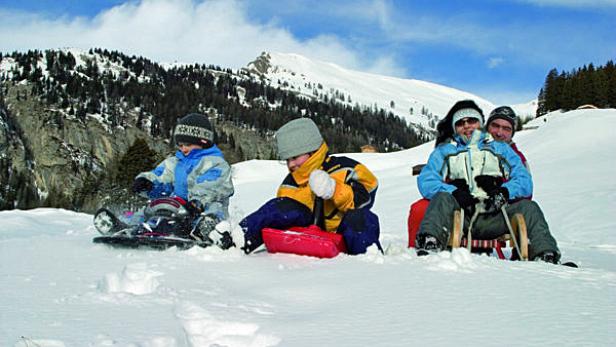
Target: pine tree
(139, 157)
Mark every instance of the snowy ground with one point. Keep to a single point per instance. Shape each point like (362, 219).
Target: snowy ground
(59, 289)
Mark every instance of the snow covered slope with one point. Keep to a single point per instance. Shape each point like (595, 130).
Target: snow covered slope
(526, 111)
(59, 289)
(312, 78)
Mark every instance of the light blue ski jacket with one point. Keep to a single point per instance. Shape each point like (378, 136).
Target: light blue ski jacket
(480, 155)
(203, 175)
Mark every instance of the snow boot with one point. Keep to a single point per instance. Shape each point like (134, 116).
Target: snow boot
(222, 235)
(210, 231)
(427, 244)
(107, 223)
(548, 257)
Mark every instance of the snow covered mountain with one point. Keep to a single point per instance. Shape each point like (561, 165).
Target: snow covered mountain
(419, 102)
(59, 289)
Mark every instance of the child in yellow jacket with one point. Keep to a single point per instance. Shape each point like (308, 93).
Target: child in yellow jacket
(346, 187)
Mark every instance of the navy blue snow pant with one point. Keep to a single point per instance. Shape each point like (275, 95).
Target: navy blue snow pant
(359, 228)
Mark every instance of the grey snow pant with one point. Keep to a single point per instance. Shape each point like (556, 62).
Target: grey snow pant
(438, 222)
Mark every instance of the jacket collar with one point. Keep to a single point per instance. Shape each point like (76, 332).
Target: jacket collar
(477, 137)
(199, 153)
(302, 174)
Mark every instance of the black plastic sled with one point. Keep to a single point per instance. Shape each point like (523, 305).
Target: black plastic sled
(158, 236)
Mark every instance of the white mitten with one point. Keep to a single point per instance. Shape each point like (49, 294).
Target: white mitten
(322, 184)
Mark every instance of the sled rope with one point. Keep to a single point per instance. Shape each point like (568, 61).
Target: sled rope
(515, 241)
(469, 235)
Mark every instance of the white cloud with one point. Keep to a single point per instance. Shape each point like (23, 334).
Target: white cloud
(494, 62)
(212, 32)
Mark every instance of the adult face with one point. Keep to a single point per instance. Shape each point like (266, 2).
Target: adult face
(466, 126)
(500, 130)
(294, 163)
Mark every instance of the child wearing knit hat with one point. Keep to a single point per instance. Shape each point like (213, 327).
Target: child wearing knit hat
(346, 187)
(197, 174)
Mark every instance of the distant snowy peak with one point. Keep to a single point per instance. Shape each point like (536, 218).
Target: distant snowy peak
(526, 111)
(261, 66)
(419, 102)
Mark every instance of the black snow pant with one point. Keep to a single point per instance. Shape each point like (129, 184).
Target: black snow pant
(438, 222)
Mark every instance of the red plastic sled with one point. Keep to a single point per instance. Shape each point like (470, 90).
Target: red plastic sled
(310, 241)
(416, 214)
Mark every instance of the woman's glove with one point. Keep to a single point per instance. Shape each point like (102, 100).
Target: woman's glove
(322, 184)
(465, 200)
(498, 198)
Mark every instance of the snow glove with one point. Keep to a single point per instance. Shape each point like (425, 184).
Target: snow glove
(194, 207)
(488, 183)
(321, 184)
(498, 198)
(142, 184)
(497, 195)
(465, 200)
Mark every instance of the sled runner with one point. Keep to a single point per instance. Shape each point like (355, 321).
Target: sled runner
(167, 224)
(150, 241)
(310, 241)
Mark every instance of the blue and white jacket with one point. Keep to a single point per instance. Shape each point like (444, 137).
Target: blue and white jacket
(480, 155)
(203, 175)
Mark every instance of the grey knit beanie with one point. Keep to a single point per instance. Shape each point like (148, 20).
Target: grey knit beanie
(297, 137)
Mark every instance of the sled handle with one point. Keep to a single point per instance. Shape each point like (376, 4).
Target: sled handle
(318, 214)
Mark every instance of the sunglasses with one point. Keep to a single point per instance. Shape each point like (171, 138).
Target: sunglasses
(469, 121)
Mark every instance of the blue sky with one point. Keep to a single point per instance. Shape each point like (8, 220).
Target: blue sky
(500, 49)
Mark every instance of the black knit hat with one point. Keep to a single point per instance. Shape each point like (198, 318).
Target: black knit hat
(505, 113)
(194, 128)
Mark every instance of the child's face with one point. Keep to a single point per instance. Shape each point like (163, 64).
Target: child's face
(295, 162)
(185, 148)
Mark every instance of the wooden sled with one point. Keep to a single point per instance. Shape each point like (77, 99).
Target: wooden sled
(518, 226)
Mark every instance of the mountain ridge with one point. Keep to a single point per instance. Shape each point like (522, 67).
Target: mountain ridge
(79, 100)
(419, 102)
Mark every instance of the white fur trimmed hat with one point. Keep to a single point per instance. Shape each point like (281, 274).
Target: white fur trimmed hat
(297, 137)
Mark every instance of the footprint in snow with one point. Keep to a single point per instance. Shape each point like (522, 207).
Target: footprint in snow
(202, 329)
(135, 279)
